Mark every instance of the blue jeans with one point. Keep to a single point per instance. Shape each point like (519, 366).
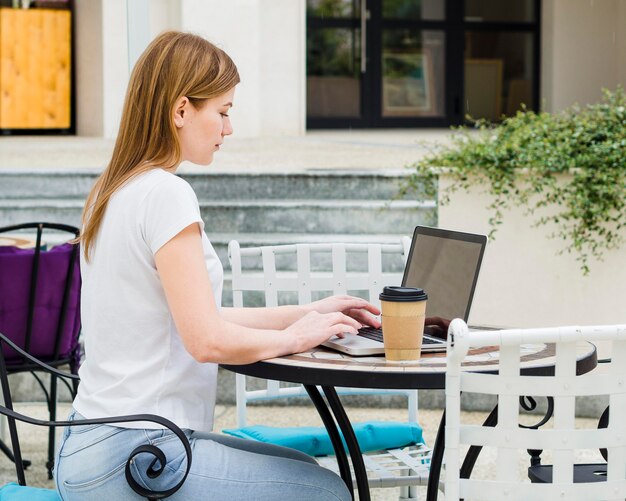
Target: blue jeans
(91, 461)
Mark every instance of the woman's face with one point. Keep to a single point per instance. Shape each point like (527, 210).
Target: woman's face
(201, 131)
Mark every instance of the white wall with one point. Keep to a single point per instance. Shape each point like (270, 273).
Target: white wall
(547, 55)
(233, 26)
(524, 282)
(89, 68)
(582, 50)
(621, 42)
(266, 39)
(101, 58)
(114, 63)
(164, 15)
(283, 67)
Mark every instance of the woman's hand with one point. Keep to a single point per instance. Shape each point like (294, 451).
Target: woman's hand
(314, 328)
(354, 307)
(438, 326)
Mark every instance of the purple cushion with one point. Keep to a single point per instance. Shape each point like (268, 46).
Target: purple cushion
(15, 276)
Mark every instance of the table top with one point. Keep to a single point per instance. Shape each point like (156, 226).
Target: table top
(322, 366)
(14, 241)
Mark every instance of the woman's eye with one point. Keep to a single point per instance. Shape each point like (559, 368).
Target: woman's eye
(224, 114)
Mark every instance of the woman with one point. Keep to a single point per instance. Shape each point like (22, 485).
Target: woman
(152, 284)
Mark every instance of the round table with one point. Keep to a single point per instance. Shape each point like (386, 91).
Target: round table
(329, 369)
(322, 366)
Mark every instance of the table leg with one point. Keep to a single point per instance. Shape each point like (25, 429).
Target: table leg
(335, 438)
(438, 450)
(435, 461)
(351, 441)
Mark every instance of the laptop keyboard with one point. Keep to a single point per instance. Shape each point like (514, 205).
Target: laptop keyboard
(377, 335)
(371, 333)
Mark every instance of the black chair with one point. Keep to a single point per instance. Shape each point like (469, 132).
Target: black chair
(157, 465)
(40, 308)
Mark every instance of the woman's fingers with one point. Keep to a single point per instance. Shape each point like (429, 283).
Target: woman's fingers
(315, 327)
(354, 303)
(341, 330)
(343, 319)
(364, 317)
(344, 303)
(328, 322)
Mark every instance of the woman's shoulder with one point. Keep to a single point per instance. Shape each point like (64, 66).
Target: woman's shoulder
(157, 181)
(160, 176)
(156, 187)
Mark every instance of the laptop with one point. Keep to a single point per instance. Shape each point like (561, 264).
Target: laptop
(445, 264)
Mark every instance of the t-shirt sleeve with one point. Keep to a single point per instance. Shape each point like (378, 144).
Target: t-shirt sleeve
(168, 208)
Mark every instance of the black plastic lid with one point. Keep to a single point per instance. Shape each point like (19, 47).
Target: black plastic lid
(402, 294)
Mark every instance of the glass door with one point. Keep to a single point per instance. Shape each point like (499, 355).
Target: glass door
(377, 63)
(334, 55)
(412, 57)
(420, 63)
(501, 57)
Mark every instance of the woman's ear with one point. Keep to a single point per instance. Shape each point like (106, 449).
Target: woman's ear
(180, 110)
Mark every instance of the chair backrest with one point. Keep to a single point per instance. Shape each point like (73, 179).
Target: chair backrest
(559, 436)
(301, 273)
(40, 297)
(306, 269)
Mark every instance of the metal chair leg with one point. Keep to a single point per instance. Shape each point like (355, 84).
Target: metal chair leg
(52, 431)
(8, 453)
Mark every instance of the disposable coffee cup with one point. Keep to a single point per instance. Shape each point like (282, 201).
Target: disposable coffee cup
(403, 316)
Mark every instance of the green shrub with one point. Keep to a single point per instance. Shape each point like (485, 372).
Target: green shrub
(517, 161)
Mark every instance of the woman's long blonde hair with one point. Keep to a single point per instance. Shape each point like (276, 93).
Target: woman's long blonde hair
(174, 65)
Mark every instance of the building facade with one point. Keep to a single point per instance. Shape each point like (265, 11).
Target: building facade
(364, 63)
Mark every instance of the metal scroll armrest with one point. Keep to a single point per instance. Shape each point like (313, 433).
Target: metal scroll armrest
(156, 467)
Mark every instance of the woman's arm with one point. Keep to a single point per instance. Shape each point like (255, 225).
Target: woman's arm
(281, 317)
(210, 337)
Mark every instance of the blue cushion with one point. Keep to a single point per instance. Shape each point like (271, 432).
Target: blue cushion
(372, 436)
(16, 492)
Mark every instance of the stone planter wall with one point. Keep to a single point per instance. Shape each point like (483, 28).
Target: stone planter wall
(524, 282)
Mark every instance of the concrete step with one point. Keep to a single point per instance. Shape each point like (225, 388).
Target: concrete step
(316, 216)
(53, 210)
(254, 208)
(274, 216)
(320, 184)
(45, 184)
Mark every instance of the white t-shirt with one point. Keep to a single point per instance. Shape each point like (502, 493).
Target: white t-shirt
(135, 361)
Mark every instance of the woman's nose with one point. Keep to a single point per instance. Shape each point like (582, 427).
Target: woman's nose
(228, 128)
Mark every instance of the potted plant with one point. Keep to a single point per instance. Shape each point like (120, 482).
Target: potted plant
(536, 176)
(566, 171)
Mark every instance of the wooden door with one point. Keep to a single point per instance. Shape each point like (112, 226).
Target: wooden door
(35, 69)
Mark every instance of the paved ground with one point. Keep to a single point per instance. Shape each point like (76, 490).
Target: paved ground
(340, 149)
(34, 439)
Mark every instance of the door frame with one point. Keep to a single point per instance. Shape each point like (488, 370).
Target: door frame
(454, 27)
(371, 82)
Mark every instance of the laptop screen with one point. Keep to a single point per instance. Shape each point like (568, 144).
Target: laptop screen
(445, 264)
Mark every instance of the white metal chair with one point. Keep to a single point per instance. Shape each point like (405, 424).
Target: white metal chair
(559, 436)
(301, 273)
